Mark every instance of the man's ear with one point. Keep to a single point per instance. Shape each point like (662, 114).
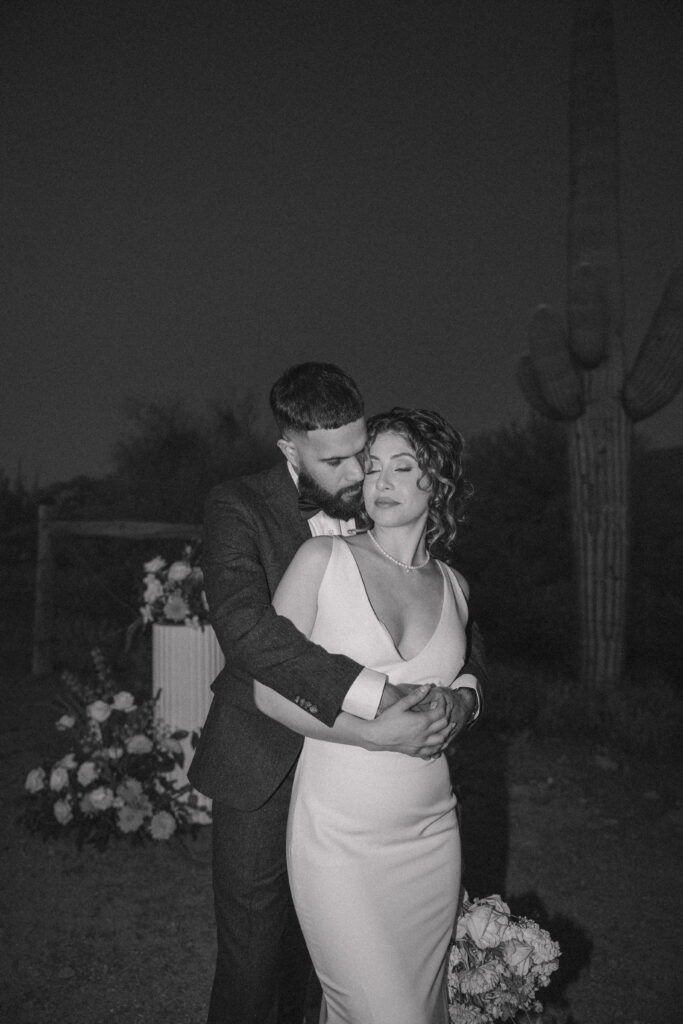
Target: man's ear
(289, 450)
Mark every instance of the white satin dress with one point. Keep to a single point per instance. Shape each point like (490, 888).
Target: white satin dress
(373, 847)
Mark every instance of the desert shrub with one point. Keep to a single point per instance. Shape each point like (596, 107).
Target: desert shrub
(516, 550)
(162, 470)
(169, 457)
(644, 717)
(515, 546)
(655, 622)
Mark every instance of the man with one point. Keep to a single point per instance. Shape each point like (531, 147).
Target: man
(245, 761)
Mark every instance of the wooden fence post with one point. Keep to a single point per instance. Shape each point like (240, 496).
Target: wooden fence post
(41, 663)
(44, 613)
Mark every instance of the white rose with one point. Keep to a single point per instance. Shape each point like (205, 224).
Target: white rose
(101, 798)
(129, 790)
(124, 701)
(162, 825)
(172, 745)
(496, 902)
(99, 710)
(155, 565)
(66, 722)
(519, 956)
(114, 753)
(130, 819)
(478, 979)
(484, 924)
(68, 761)
(85, 804)
(176, 608)
(59, 778)
(544, 949)
(87, 773)
(139, 744)
(62, 811)
(153, 591)
(35, 780)
(178, 571)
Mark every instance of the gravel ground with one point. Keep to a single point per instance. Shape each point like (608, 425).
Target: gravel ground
(589, 845)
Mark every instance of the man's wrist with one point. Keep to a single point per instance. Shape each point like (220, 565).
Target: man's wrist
(472, 702)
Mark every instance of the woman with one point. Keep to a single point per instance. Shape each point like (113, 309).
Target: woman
(373, 844)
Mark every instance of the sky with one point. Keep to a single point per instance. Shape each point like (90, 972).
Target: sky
(197, 194)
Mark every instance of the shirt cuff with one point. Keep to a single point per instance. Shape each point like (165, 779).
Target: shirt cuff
(363, 696)
(469, 683)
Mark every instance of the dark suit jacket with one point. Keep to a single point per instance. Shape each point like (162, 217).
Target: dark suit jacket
(252, 531)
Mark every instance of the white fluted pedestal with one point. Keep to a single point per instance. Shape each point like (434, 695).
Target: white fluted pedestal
(185, 661)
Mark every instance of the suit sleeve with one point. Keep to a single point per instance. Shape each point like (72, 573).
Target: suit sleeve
(475, 664)
(475, 661)
(256, 641)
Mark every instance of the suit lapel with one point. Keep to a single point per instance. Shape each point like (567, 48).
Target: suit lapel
(284, 497)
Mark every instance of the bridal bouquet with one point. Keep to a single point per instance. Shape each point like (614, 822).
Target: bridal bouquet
(497, 963)
(174, 594)
(115, 779)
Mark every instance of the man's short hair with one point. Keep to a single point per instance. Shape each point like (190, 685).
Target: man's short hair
(315, 396)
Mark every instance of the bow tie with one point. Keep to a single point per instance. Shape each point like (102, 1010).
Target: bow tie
(307, 508)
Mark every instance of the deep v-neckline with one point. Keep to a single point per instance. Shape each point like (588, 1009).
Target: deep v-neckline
(383, 626)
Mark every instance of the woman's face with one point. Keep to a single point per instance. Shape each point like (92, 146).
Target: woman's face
(390, 490)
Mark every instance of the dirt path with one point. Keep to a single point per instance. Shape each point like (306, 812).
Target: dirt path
(593, 851)
(590, 847)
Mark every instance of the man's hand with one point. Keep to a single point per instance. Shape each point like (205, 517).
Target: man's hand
(461, 703)
(398, 728)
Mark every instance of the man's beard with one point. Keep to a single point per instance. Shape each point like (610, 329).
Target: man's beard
(343, 504)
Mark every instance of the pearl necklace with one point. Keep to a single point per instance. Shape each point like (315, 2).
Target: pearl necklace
(397, 561)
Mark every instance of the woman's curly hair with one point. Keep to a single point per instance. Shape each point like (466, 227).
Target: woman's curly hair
(439, 451)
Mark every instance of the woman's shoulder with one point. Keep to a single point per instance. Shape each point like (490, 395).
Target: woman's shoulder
(315, 552)
(306, 570)
(462, 582)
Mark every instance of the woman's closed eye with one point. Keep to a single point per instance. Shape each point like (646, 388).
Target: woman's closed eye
(375, 468)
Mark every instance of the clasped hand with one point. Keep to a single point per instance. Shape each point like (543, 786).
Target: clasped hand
(420, 720)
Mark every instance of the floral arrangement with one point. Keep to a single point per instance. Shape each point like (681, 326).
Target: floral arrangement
(174, 594)
(116, 779)
(497, 963)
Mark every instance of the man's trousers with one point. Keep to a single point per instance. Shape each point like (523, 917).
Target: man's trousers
(262, 967)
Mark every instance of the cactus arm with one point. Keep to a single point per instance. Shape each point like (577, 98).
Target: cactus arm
(530, 388)
(557, 379)
(657, 373)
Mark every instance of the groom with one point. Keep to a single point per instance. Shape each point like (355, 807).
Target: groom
(246, 761)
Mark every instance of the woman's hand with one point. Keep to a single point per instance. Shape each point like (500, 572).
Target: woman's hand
(416, 723)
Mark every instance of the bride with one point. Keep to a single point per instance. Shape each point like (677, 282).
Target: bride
(373, 848)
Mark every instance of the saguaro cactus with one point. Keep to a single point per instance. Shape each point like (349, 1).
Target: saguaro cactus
(575, 370)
